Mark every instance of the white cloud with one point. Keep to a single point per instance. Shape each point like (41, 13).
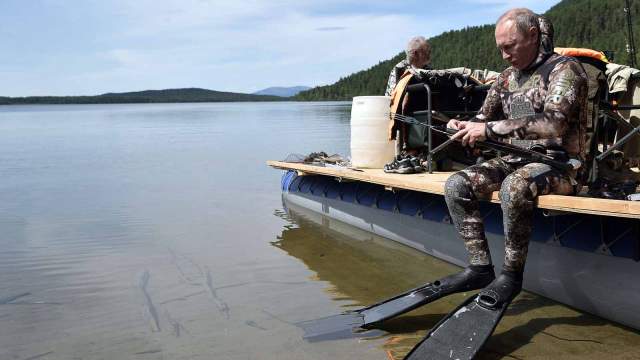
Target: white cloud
(126, 57)
(282, 50)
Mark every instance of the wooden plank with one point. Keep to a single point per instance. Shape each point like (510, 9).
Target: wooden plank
(434, 184)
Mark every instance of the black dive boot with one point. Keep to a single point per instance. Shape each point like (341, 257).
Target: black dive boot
(502, 290)
(462, 333)
(471, 278)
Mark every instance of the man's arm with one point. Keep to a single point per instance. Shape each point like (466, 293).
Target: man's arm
(492, 107)
(475, 129)
(391, 83)
(396, 71)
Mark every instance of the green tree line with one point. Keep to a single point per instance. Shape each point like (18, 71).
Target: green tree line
(146, 96)
(594, 24)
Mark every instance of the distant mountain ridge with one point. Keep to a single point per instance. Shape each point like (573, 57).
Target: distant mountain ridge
(282, 91)
(599, 25)
(146, 96)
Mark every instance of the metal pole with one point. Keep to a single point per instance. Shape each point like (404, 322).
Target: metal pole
(429, 157)
(631, 45)
(618, 144)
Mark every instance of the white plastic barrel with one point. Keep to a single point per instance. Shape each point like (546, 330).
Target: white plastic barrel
(370, 147)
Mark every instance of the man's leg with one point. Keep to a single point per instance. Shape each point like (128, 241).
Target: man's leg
(462, 191)
(517, 195)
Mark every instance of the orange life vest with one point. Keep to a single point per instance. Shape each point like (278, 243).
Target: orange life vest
(397, 101)
(582, 52)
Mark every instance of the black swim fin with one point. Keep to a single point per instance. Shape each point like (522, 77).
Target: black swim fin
(462, 333)
(362, 319)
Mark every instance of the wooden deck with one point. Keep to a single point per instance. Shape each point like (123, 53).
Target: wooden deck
(434, 183)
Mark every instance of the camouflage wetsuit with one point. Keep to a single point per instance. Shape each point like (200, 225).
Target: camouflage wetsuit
(545, 103)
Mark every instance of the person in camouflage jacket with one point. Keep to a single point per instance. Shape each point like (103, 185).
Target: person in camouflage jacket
(540, 99)
(418, 58)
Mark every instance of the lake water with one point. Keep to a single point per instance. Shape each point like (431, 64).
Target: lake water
(157, 232)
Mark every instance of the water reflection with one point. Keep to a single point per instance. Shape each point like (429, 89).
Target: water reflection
(360, 269)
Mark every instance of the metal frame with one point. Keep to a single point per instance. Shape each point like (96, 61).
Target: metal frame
(432, 151)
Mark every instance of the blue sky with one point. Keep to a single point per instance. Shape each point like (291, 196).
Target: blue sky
(74, 47)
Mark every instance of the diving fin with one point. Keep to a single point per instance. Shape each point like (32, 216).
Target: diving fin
(471, 278)
(462, 333)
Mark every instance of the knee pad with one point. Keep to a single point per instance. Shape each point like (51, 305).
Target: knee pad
(458, 186)
(516, 191)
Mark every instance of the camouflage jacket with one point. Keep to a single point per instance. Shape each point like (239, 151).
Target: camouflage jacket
(545, 103)
(396, 74)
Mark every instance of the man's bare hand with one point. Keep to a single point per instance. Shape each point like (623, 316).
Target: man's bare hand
(454, 124)
(470, 132)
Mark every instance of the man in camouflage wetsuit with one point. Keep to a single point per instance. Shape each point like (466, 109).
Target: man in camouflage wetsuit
(540, 99)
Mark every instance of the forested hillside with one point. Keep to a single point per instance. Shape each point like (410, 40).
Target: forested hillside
(596, 24)
(147, 96)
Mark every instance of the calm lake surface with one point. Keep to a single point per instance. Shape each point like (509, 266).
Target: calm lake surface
(158, 232)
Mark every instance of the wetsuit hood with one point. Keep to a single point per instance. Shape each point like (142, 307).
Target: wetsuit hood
(545, 43)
